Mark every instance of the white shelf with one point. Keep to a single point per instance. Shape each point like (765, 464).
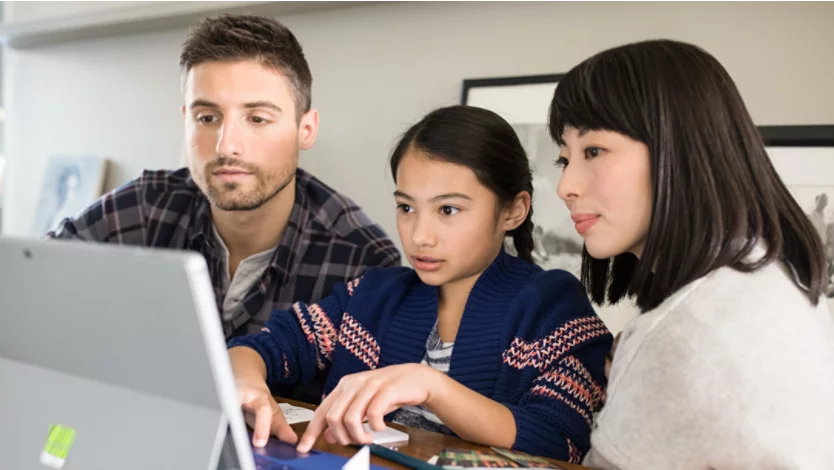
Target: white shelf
(152, 16)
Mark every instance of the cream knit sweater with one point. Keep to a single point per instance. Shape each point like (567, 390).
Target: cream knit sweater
(734, 371)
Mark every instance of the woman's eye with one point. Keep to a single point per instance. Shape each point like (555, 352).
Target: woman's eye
(405, 208)
(592, 152)
(449, 210)
(561, 162)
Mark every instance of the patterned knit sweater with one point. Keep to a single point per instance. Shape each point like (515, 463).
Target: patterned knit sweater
(528, 339)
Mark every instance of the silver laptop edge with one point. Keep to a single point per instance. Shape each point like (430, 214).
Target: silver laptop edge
(125, 346)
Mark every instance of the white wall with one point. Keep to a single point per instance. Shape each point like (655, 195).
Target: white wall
(116, 97)
(378, 68)
(34, 11)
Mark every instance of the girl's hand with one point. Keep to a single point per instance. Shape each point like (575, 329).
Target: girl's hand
(369, 396)
(262, 413)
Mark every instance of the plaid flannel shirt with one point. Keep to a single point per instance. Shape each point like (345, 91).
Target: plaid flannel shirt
(328, 240)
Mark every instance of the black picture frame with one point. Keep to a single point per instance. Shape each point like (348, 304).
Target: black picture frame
(558, 246)
(773, 135)
(470, 83)
(798, 136)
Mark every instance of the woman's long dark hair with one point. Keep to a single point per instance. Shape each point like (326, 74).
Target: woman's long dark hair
(716, 194)
(486, 144)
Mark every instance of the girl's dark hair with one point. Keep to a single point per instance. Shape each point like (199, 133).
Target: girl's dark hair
(483, 142)
(716, 194)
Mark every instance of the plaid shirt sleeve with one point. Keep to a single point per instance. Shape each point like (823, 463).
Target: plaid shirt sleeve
(354, 226)
(116, 217)
(382, 253)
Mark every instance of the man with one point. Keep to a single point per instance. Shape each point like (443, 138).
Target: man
(271, 233)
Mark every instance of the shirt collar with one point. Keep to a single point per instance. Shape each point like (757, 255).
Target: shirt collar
(294, 242)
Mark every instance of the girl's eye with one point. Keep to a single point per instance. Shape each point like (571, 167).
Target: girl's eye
(591, 152)
(405, 208)
(561, 162)
(449, 210)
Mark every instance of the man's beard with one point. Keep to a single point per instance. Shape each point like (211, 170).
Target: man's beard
(231, 196)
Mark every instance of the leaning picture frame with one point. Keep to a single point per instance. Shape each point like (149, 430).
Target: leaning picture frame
(70, 184)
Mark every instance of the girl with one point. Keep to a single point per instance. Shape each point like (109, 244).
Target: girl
(668, 182)
(472, 341)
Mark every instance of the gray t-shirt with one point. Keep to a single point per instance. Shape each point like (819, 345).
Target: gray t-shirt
(248, 272)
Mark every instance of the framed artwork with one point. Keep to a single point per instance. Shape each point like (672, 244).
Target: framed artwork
(524, 102)
(803, 157)
(70, 185)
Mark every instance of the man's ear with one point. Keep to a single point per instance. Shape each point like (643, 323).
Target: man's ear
(308, 129)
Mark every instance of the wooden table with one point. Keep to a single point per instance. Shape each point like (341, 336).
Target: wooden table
(421, 443)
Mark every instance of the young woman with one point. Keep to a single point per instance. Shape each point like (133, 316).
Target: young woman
(731, 365)
(472, 341)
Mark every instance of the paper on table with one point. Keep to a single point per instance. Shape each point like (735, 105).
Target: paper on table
(296, 414)
(387, 436)
(360, 461)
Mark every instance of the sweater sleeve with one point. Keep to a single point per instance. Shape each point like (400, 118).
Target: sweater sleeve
(566, 362)
(297, 343)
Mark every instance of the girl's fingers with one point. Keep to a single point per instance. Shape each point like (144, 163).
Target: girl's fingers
(383, 402)
(355, 415)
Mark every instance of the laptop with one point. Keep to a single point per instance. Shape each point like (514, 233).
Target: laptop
(114, 357)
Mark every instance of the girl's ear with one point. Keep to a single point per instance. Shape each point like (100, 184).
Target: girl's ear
(517, 211)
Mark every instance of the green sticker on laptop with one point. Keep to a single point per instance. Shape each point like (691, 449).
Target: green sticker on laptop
(58, 444)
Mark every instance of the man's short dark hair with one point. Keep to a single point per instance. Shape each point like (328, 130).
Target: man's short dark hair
(249, 37)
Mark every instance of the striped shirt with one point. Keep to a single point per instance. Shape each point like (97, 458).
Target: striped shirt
(438, 357)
